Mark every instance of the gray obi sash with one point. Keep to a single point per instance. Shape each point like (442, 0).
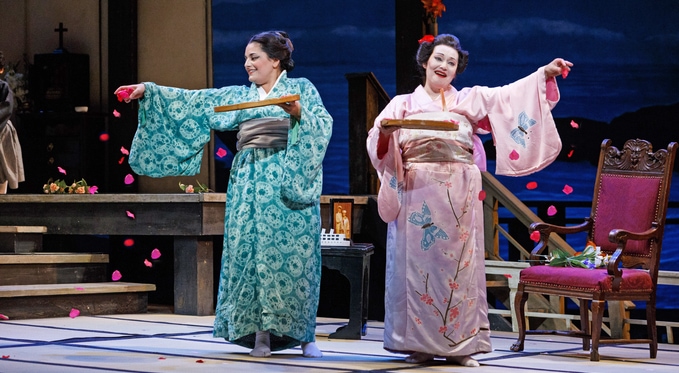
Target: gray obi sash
(263, 133)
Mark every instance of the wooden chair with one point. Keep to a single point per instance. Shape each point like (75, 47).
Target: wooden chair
(627, 220)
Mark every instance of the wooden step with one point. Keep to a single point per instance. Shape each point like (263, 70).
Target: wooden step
(57, 300)
(52, 268)
(21, 239)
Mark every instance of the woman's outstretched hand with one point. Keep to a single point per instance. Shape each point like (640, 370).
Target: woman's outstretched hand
(293, 108)
(130, 92)
(558, 67)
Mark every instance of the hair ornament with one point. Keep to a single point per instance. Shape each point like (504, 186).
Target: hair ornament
(426, 38)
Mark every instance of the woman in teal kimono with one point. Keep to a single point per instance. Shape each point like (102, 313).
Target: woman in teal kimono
(271, 264)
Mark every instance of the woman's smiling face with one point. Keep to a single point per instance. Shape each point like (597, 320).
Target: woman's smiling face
(441, 67)
(262, 70)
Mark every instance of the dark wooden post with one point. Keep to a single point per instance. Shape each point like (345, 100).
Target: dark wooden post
(367, 98)
(410, 16)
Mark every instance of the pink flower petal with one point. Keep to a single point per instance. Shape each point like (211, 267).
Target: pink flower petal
(61, 170)
(567, 189)
(93, 189)
(508, 275)
(80, 289)
(564, 72)
(155, 254)
(3, 317)
(74, 313)
(116, 113)
(513, 155)
(116, 275)
(551, 210)
(129, 179)
(221, 153)
(130, 214)
(482, 195)
(535, 236)
(103, 137)
(574, 125)
(532, 185)
(147, 263)
(128, 242)
(124, 151)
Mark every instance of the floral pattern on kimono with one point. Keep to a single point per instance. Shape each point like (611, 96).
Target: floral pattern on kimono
(435, 293)
(271, 261)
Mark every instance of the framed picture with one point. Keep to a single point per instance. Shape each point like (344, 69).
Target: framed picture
(341, 212)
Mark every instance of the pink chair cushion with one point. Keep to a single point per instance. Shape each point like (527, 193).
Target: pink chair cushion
(585, 279)
(629, 203)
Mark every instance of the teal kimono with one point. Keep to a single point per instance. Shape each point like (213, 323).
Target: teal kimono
(271, 263)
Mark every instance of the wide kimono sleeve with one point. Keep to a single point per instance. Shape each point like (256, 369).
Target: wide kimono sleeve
(174, 126)
(385, 156)
(521, 121)
(307, 143)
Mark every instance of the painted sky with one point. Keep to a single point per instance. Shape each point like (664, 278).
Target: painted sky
(607, 40)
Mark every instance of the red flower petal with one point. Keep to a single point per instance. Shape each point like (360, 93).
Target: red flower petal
(5, 356)
(130, 214)
(482, 195)
(116, 275)
(570, 153)
(551, 210)
(124, 94)
(103, 137)
(535, 236)
(221, 153)
(121, 160)
(514, 155)
(564, 72)
(147, 263)
(3, 317)
(161, 358)
(508, 275)
(567, 189)
(532, 185)
(199, 361)
(74, 313)
(155, 254)
(128, 242)
(129, 179)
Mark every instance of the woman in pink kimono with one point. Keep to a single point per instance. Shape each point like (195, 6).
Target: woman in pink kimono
(430, 195)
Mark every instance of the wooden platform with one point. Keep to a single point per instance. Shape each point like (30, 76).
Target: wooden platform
(57, 300)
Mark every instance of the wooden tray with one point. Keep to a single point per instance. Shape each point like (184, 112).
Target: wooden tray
(420, 124)
(253, 104)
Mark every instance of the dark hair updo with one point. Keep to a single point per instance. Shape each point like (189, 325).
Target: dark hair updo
(427, 48)
(276, 45)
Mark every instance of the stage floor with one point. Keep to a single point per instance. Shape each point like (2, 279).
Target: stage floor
(165, 342)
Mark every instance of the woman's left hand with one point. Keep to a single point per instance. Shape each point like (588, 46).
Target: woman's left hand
(558, 67)
(293, 108)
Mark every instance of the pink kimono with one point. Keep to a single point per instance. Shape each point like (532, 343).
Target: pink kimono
(435, 294)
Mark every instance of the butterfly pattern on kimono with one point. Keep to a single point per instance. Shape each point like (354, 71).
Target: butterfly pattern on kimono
(430, 231)
(520, 133)
(398, 187)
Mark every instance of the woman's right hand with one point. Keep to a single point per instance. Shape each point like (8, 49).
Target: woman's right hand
(130, 92)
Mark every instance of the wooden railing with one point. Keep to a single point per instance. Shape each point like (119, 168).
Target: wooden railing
(506, 272)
